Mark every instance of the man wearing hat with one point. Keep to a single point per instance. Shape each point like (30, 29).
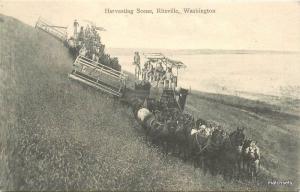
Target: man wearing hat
(136, 62)
(76, 25)
(168, 78)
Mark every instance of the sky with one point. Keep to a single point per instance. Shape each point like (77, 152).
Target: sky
(256, 25)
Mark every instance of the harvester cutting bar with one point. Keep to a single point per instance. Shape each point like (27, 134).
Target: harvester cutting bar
(99, 76)
(51, 29)
(110, 71)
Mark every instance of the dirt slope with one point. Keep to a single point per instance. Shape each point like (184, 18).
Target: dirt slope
(57, 134)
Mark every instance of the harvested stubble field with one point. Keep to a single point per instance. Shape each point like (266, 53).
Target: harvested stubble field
(57, 134)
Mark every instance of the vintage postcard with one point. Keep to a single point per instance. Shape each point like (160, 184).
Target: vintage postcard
(138, 95)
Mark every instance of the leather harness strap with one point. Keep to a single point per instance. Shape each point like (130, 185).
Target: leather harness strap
(201, 149)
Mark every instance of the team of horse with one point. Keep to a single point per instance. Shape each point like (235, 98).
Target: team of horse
(205, 143)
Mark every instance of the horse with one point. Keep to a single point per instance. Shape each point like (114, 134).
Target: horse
(252, 159)
(163, 134)
(213, 150)
(185, 123)
(245, 157)
(170, 141)
(198, 142)
(158, 128)
(159, 133)
(232, 153)
(179, 125)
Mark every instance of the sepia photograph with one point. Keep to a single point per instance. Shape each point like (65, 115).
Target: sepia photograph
(140, 95)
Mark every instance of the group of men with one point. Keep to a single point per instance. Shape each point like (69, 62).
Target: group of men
(155, 74)
(89, 42)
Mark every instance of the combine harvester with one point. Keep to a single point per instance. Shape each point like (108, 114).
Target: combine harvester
(58, 32)
(85, 70)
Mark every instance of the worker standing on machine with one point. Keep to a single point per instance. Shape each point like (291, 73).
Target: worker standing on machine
(76, 25)
(137, 63)
(168, 77)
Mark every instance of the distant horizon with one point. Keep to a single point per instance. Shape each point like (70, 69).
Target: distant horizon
(194, 49)
(212, 49)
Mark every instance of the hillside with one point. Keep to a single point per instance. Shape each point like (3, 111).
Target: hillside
(57, 134)
(277, 132)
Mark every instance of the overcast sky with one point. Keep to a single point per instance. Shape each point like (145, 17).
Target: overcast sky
(235, 25)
